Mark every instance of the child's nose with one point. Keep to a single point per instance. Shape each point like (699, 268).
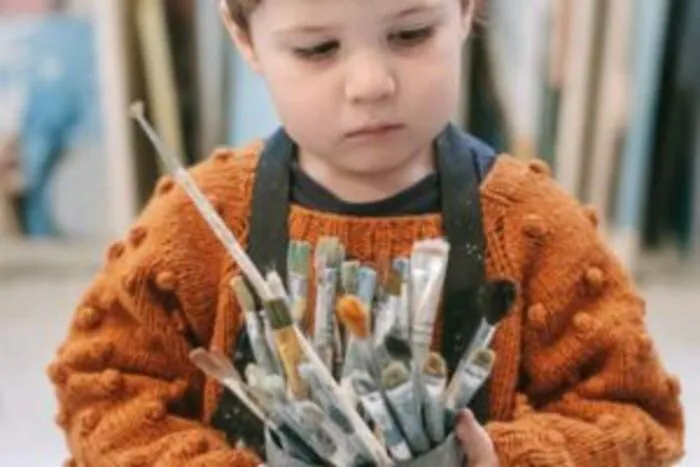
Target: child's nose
(369, 78)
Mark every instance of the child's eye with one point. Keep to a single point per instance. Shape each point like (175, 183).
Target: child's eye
(318, 52)
(410, 37)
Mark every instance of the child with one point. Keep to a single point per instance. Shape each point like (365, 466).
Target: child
(365, 90)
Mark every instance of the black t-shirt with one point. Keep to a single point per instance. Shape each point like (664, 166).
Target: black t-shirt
(421, 198)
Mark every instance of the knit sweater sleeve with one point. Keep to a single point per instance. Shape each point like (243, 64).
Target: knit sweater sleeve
(127, 392)
(593, 391)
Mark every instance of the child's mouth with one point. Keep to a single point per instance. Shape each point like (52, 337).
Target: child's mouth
(375, 131)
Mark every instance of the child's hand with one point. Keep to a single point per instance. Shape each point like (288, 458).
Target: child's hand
(475, 441)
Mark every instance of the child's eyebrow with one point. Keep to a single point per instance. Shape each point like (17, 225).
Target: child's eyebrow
(413, 10)
(417, 9)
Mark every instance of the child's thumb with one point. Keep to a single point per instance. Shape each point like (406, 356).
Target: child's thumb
(474, 440)
(465, 429)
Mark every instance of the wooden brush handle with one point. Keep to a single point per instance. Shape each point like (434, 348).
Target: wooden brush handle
(291, 355)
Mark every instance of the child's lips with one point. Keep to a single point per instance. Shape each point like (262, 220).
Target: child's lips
(374, 131)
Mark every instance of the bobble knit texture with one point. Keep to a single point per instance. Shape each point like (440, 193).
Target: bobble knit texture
(577, 381)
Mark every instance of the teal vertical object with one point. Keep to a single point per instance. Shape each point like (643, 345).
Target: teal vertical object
(651, 17)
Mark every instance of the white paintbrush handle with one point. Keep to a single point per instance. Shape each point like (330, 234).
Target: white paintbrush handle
(367, 437)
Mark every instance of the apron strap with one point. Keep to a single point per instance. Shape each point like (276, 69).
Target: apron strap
(460, 176)
(460, 200)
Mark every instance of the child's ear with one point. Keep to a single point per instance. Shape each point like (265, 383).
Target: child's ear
(241, 38)
(468, 15)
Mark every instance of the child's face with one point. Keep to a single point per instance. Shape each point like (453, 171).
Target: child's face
(364, 84)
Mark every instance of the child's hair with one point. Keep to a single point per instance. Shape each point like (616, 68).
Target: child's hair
(241, 10)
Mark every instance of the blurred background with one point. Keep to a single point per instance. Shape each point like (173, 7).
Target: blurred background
(606, 91)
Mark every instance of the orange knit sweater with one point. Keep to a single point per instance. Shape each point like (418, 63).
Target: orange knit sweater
(577, 380)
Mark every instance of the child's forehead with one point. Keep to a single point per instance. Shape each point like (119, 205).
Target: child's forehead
(345, 10)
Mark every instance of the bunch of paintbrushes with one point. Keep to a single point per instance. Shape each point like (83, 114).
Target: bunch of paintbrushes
(374, 339)
(362, 387)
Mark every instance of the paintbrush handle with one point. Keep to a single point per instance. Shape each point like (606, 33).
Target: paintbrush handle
(371, 443)
(236, 388)
(481, 340)
(291, 355)
(206, 210)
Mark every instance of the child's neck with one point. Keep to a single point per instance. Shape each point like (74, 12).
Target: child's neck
(364, 187)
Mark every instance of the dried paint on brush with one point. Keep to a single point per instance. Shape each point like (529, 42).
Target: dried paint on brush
(298, 265)
(286, 337)
(399, 389)
(434, 378)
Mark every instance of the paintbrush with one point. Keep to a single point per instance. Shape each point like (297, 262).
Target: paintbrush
(349, 277)
(375, 406)
(467, 381)
(371, 445)
(225, 373)
(325, 435)
(326, 382)
(366, 285)
(298, 264)
(400, 390)
(355, 318)
(208, 213)
(494, 299)
(386, 320)
(248, 268)
(292, 434)
(404, 318)
(434, 380)
(258, 342)
(327, 271)
(394, 348)
(349, 273)
(427, 257)
(286, 338)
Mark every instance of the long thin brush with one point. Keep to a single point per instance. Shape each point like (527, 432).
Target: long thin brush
(218, 226)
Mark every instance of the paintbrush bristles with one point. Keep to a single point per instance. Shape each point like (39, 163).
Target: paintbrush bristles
(137, 110)
(398, 348)
(430, 247)
(298, 257)
(395, 374)
(243, 294)
(495, 299)
(483, 358)
(435, 365)
(354, 316)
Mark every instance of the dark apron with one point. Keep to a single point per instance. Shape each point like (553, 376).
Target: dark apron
(461, 164)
